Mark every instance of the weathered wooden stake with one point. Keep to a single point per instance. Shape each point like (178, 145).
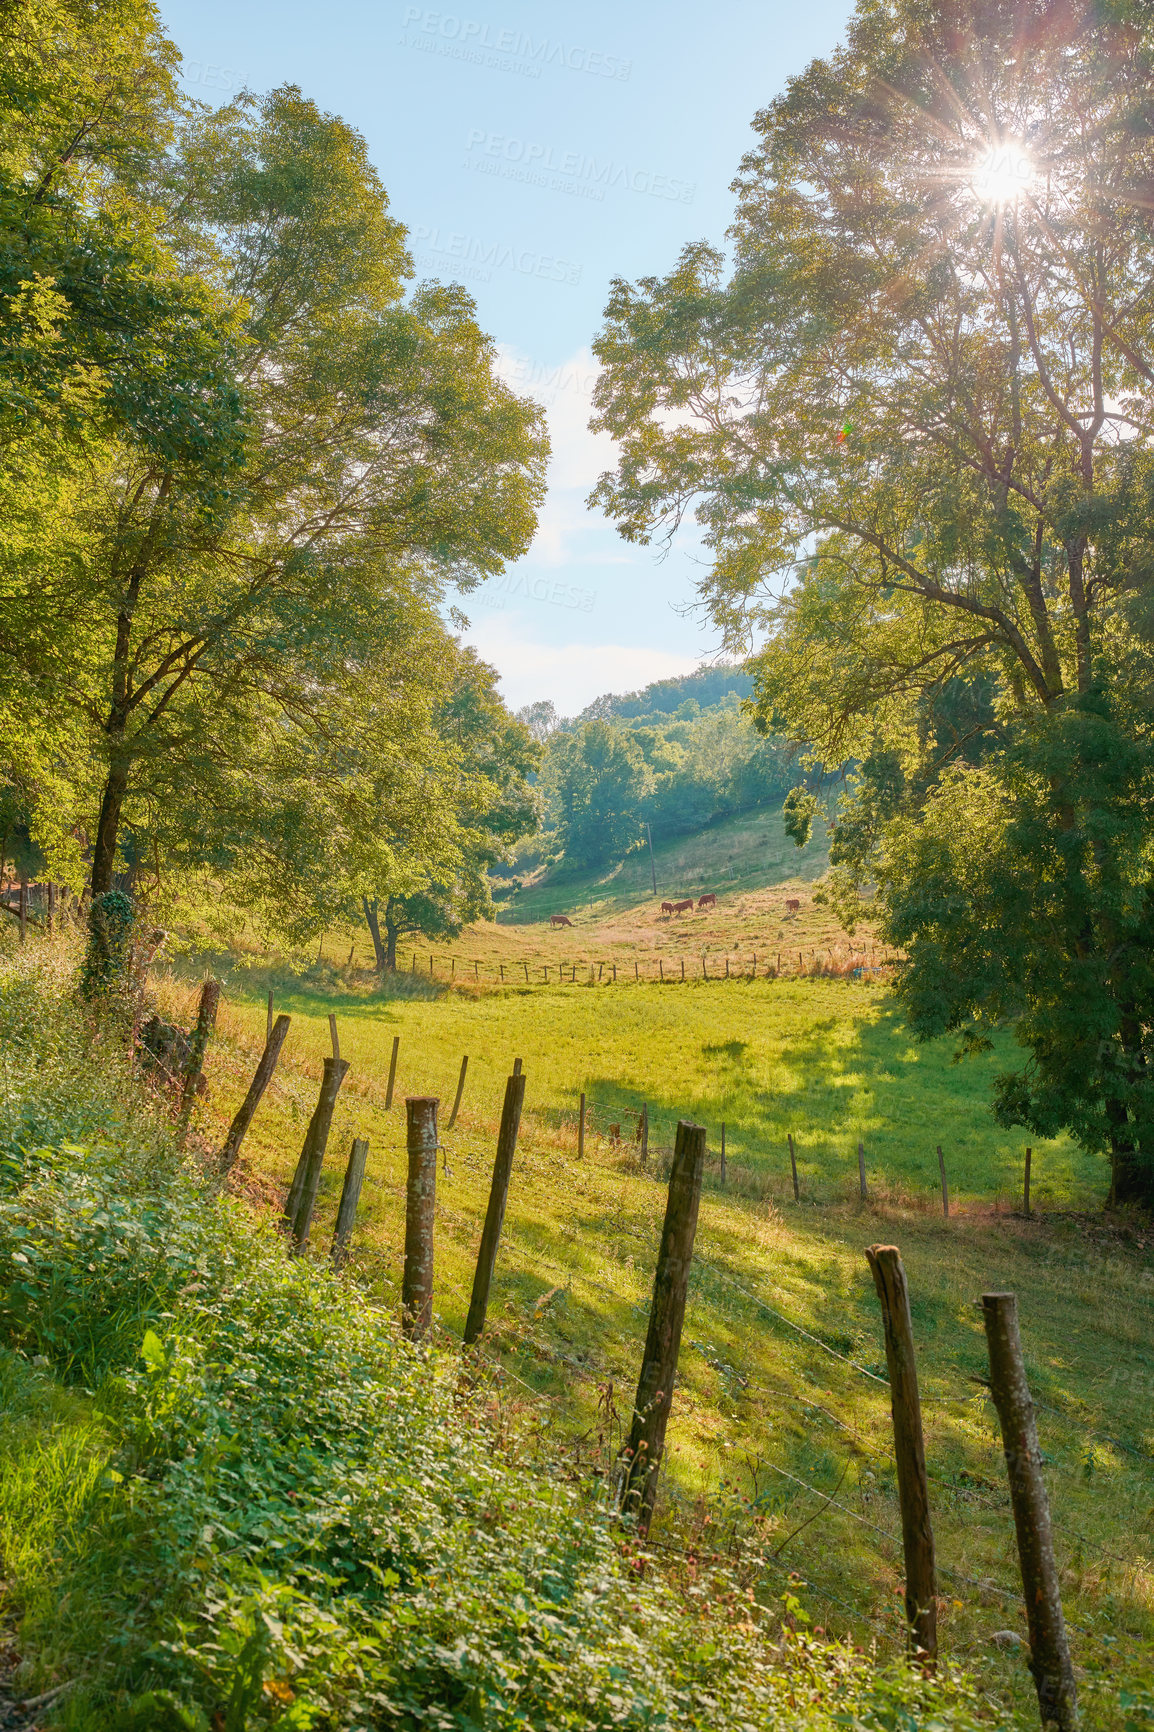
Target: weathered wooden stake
(495, 1213)
(661, 966)
(1026, 1185)
(302, 1196)
(642, 1454)
(516, 1067)
(909, 1450)
(861, 1178)
(793, 1166)
(945, 1183)
(683, 968)
(526, 974)
(430, 965)
(350, 1197)
(227, 1158)
(581, 1130)
(198, 1046)
(392, 1072)
(1049, 1649)
(420, 1208)
(459, 1093)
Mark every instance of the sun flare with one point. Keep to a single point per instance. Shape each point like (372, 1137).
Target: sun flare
(1003, 173)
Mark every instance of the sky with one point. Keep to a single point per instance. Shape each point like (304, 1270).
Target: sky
(535, 152)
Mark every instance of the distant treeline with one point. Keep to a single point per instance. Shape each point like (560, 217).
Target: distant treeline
(678, 755)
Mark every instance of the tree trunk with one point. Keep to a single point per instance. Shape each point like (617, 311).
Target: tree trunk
(108, 827)
(392, 933)
(374, 927)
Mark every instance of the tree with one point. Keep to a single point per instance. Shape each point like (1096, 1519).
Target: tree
(914, 422)
(596, 781)
(205, 595)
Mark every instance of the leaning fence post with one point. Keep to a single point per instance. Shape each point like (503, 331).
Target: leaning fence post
(581, 1130)
(392, 1072)
(302, 1196)
(793, 1167)
(198, 1046)
(350, 1197)
(909, 1449)
(642, 1454)
(420, 1209)
(459, 1093)
(945, 1183)
(495, 1213)
(226, 1160)
(861, 1178)
(1049, 1649)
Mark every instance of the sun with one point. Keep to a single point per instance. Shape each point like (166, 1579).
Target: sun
(1003, 173)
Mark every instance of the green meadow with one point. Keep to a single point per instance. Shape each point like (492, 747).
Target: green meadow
(779, 1408)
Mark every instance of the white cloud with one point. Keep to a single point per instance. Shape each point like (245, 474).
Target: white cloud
(572, 675)
(578, 458)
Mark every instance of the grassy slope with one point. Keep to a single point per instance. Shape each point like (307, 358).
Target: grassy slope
(830, 1061)
(255, 1505)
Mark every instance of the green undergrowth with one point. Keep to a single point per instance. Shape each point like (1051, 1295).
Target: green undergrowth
(232, 1496)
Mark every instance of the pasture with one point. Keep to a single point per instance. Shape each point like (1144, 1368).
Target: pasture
(778, 1409)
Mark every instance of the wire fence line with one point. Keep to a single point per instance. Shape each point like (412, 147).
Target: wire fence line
(824, 962)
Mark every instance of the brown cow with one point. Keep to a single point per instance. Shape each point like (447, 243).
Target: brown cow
(792, 906)
(559, 920)
(667, 908)
(709, 900)
(683, 907)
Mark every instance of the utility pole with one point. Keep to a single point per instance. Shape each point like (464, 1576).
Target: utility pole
(652, 867)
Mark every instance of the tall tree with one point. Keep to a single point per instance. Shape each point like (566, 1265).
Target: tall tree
(596, 779)
(915, 423)
(378, 462)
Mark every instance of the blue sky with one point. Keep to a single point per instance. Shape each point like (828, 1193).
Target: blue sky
(535, 152)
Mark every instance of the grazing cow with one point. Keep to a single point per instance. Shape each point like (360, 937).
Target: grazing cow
(667, 908)
(683, 907)
(709, 900)
(793, 905)
(559, 920)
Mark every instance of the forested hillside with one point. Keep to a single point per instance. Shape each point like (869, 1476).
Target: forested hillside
(668, 760)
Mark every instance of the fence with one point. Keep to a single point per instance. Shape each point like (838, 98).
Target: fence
(632, 1125)
(823, 963)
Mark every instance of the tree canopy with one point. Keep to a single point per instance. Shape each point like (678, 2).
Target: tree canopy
(913, 418)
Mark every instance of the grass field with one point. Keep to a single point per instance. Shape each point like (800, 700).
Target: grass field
(768, 1421)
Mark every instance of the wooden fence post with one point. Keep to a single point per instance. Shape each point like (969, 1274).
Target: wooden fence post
(302, 1196)
(495, 1213)
(661, 966)
(581, 1130)
(430, 965)
(645, 1134)
(392, 1072)
(793, 1167)
(861, 1178)
(198, 1046)
(909, 1450)
(459, 1093)
(516, 1067)
(642, 1454)
(945, 1183)
(1026, 1186)
(420, 1209)
(1049, 1649)
(350, 1197)
(683, 968)
(226, 1160)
